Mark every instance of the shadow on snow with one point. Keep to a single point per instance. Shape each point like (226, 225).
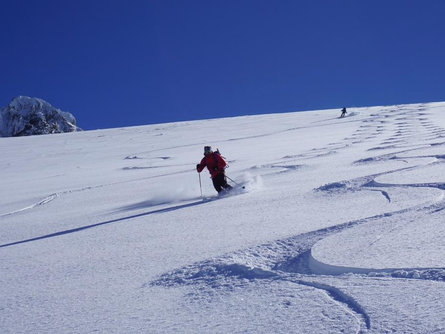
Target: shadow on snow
(78, 229)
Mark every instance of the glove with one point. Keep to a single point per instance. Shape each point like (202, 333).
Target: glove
(198, 166)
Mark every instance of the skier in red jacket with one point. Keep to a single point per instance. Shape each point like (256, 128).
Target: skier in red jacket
(215, 164)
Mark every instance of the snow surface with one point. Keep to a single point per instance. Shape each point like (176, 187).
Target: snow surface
(340, 228)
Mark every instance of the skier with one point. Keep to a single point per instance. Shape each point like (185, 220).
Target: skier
(215, 164)
(343, 113)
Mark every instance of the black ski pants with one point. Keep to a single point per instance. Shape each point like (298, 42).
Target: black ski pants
(220, 183)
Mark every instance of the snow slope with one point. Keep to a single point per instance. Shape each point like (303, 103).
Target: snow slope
(340, 228)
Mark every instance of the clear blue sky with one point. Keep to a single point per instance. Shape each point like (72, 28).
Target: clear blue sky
(120, 63)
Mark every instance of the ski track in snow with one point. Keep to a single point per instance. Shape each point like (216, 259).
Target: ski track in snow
(32, 206)
(182, 205)
(49, 199)
(52, 197)
(290, 259)
(85, 227)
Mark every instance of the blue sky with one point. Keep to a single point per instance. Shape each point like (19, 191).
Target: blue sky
(121, 63)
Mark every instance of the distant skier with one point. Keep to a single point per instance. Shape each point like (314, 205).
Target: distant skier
(216, 165)
(343, 113)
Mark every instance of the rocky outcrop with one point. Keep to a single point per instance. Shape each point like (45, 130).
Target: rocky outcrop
(26, 116)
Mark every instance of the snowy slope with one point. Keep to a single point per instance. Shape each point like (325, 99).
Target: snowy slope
(340, 227)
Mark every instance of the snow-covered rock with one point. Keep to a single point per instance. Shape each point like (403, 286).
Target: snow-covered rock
(26, 116)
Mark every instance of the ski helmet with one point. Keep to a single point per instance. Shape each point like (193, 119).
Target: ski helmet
(207, 149)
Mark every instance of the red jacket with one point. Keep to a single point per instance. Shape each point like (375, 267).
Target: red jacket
(214, 163)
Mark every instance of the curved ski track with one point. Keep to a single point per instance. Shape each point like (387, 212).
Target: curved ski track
(290, 259)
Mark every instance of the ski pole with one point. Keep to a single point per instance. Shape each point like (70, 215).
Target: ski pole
(234, 181)
(200, 186)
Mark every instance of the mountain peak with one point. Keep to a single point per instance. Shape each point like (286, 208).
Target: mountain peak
(27, 116)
